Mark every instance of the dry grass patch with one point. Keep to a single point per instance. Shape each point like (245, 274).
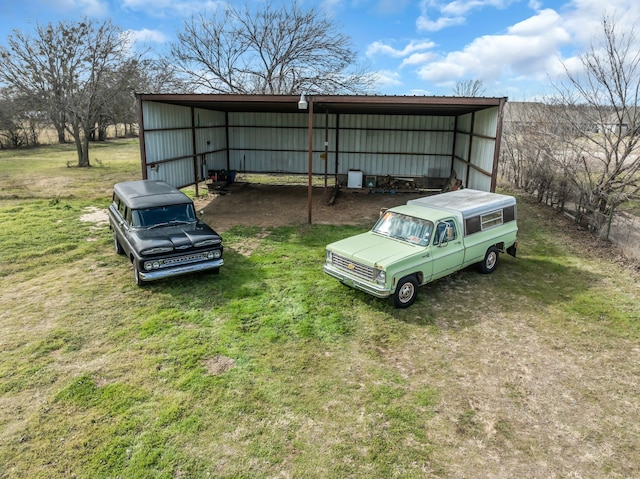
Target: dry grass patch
(218, 364)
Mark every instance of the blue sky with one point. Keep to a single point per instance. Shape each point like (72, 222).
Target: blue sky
(417, 47)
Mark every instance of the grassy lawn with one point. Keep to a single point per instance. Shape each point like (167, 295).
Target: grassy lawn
(274, 369)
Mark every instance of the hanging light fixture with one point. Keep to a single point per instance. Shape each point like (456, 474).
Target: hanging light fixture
(302, 104)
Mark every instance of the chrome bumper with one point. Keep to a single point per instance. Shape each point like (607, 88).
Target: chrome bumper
(178, 270)
(376, 290)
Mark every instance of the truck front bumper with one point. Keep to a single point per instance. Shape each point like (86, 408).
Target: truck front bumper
(156, 274)
(379, 291)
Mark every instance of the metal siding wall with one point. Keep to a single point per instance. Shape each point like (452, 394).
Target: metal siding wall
(277, 142)
(486, 122)
(462, 145)
(208, 118)
(269, 139)
(217, 161)
(270, 119)
(215, 136)
(165, 144)
(396, 165)
(483, 148)
(479, 181)
(482, 153)
(396, 145)
(178, 173)
(160, 115)
(464, 123)
(461, 171)
(172, 141)
(214, 132)
(269, 161)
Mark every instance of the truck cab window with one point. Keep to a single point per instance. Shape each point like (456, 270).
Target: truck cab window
(445, 232)
(405, 228)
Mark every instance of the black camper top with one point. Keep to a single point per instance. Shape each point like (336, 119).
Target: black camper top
(141, 194)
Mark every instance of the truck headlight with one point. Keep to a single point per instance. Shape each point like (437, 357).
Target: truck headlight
(329, 257)
(380, 275)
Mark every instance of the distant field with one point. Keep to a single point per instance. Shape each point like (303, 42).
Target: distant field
(50, 172)
(272, 369)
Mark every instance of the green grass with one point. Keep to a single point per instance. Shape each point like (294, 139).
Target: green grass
(272, 368)
(49, 171)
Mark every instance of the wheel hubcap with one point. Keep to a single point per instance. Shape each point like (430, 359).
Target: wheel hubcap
(406, 292)
(491, 260)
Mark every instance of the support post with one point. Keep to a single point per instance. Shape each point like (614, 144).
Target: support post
(310, 166)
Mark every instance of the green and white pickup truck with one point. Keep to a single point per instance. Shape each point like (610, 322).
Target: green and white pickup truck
(424, 240)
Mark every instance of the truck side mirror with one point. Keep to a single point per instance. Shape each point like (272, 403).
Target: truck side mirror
(446, 234)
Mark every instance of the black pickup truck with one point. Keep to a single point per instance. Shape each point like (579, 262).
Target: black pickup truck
(156, 227)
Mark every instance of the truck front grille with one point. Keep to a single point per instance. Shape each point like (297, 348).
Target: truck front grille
(357, 269)
(180, 260)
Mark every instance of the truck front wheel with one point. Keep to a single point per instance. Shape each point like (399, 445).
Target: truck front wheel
(406, 292)
(490, 261)
(136, 274)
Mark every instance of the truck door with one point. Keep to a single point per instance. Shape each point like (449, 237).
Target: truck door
(447, 250)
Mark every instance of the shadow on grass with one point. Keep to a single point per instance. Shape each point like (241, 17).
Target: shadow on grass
(519, 285)
(272, 288)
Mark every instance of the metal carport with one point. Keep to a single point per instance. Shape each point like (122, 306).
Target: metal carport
(182, 136)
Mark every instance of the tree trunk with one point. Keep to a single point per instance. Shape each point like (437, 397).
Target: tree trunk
(58, 119)
(102, 132)
(82, 146)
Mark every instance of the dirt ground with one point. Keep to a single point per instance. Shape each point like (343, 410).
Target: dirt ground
(251, 204)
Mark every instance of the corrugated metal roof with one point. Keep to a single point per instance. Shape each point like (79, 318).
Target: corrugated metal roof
(356, 104)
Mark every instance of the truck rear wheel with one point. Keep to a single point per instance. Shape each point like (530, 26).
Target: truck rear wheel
(490, 261)
(406, 292)
(116, 244)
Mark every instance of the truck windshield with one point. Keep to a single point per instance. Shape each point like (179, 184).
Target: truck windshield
(406, 228)
(164, 215)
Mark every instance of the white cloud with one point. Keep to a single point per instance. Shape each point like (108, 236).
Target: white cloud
(146, 36)
(391, 6)
(528, 49)
(424, 24)
(536, 25)
(461, 7)
(181, 8)
(388, 78)
(413, 46)
(528, 55)
(418, 59)
(452, 13)
(535, 4)
(331, 7)
(90, 8)
(420, 92)
(584, 20)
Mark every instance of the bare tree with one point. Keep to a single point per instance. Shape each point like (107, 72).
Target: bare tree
(20, 122)
(469, 88)
(600, 106)
(536, 154)
(148, 76)
(272, 50)
(73, 70)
